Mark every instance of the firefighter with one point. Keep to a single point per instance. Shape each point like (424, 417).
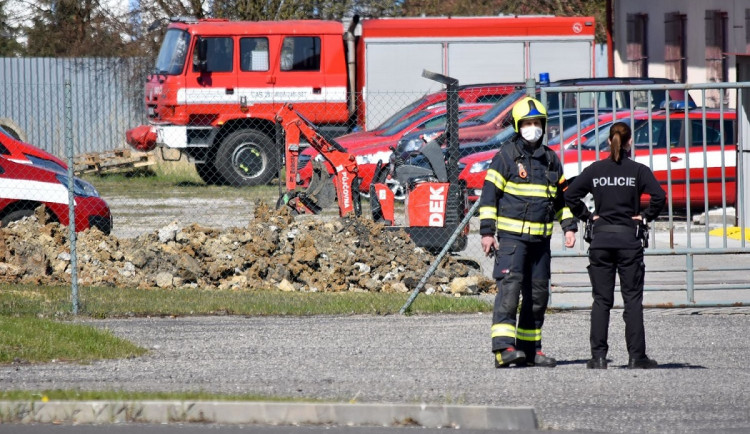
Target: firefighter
(521, 196)
(617, 242)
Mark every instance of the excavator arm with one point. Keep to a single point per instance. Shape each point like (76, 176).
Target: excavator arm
(335, 178)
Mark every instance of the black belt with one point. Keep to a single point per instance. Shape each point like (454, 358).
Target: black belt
(614, 228)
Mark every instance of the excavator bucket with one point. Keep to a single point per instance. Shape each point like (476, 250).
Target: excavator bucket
(321, 191)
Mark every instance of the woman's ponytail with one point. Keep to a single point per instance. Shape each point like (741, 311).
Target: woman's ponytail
(619, 136)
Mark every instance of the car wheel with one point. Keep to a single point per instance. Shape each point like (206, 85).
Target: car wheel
(246, 158)
(398, 189)
(15, 216)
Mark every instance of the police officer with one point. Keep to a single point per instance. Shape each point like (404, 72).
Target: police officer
(617, 242)
(521, 196)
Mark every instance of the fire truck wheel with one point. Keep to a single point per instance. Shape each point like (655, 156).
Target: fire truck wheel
(246, 158)
(209, 174)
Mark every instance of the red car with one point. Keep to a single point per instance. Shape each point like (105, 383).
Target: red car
(24, 153)
(488, 93)
(680, 160)
(24, 187)
(669, 163)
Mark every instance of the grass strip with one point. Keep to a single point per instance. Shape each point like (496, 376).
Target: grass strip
(29, 335)
(98, 302)
(31, 340)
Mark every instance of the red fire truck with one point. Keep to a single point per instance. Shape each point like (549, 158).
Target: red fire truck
(217, 85)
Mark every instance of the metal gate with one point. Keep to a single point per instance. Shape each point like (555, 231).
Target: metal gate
(699, 245)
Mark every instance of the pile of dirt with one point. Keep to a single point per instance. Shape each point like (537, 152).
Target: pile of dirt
(275, 251)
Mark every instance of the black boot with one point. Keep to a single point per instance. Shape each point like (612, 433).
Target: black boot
(510, 355)
(597, 363)
(644, 363)
(543, 360)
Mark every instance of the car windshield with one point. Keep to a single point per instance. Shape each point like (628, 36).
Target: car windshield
(394, 118)
(400, 126)
(570, 131)
(173, 52)
(501, 106)
(47, 164)
(504, 135)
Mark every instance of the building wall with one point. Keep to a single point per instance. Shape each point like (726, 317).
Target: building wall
(695, 10)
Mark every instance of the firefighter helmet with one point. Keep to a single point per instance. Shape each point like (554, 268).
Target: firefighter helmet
(528, 108)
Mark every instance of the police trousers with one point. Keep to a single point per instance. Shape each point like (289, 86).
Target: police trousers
(522, 272)
(628, 264)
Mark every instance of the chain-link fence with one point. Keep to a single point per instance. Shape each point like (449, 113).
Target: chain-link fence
(219, 159)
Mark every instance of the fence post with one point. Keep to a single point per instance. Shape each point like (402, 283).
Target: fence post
(71, 195)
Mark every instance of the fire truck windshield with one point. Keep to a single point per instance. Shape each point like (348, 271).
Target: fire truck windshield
(171, 60)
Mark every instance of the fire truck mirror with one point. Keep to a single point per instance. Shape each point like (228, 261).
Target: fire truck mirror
(199, 57)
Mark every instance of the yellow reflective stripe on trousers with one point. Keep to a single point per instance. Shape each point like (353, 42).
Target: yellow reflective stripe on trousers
(503, 330)
(523, 227)
(487, 212)
(532, 190)
(563, 214)
(496, 178)
(529, 335)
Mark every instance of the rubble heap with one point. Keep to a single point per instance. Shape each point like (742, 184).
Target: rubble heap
(275, 251)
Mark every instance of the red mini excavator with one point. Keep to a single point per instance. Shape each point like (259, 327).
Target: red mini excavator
(435, 201)
(334, 177)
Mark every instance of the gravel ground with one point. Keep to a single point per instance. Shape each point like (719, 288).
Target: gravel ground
(702, 383)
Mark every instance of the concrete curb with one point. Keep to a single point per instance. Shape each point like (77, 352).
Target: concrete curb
(269, 413)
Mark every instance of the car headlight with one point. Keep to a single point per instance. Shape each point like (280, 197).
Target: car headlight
(384, 156)
(480, 166)
(80, 187)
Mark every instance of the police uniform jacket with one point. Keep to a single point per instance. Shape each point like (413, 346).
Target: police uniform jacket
(617, 188)
(523, 194)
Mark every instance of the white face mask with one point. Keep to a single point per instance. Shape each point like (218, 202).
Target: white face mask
(531, 133)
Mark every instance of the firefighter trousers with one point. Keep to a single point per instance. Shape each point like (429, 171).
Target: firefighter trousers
(522, 270)
(628, 264)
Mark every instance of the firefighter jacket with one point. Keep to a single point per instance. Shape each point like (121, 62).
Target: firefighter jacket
(617, 188)
(523, 194)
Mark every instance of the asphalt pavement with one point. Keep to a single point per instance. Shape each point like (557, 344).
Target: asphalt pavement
(444, 361)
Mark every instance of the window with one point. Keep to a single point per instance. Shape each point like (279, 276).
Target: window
(637, 49)
(300, 53)
(253, 54)
(713, 132)
(675, 46)
(747, 30)
(717, 68)
(658, 134)
(219, 55)
(173, 52)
